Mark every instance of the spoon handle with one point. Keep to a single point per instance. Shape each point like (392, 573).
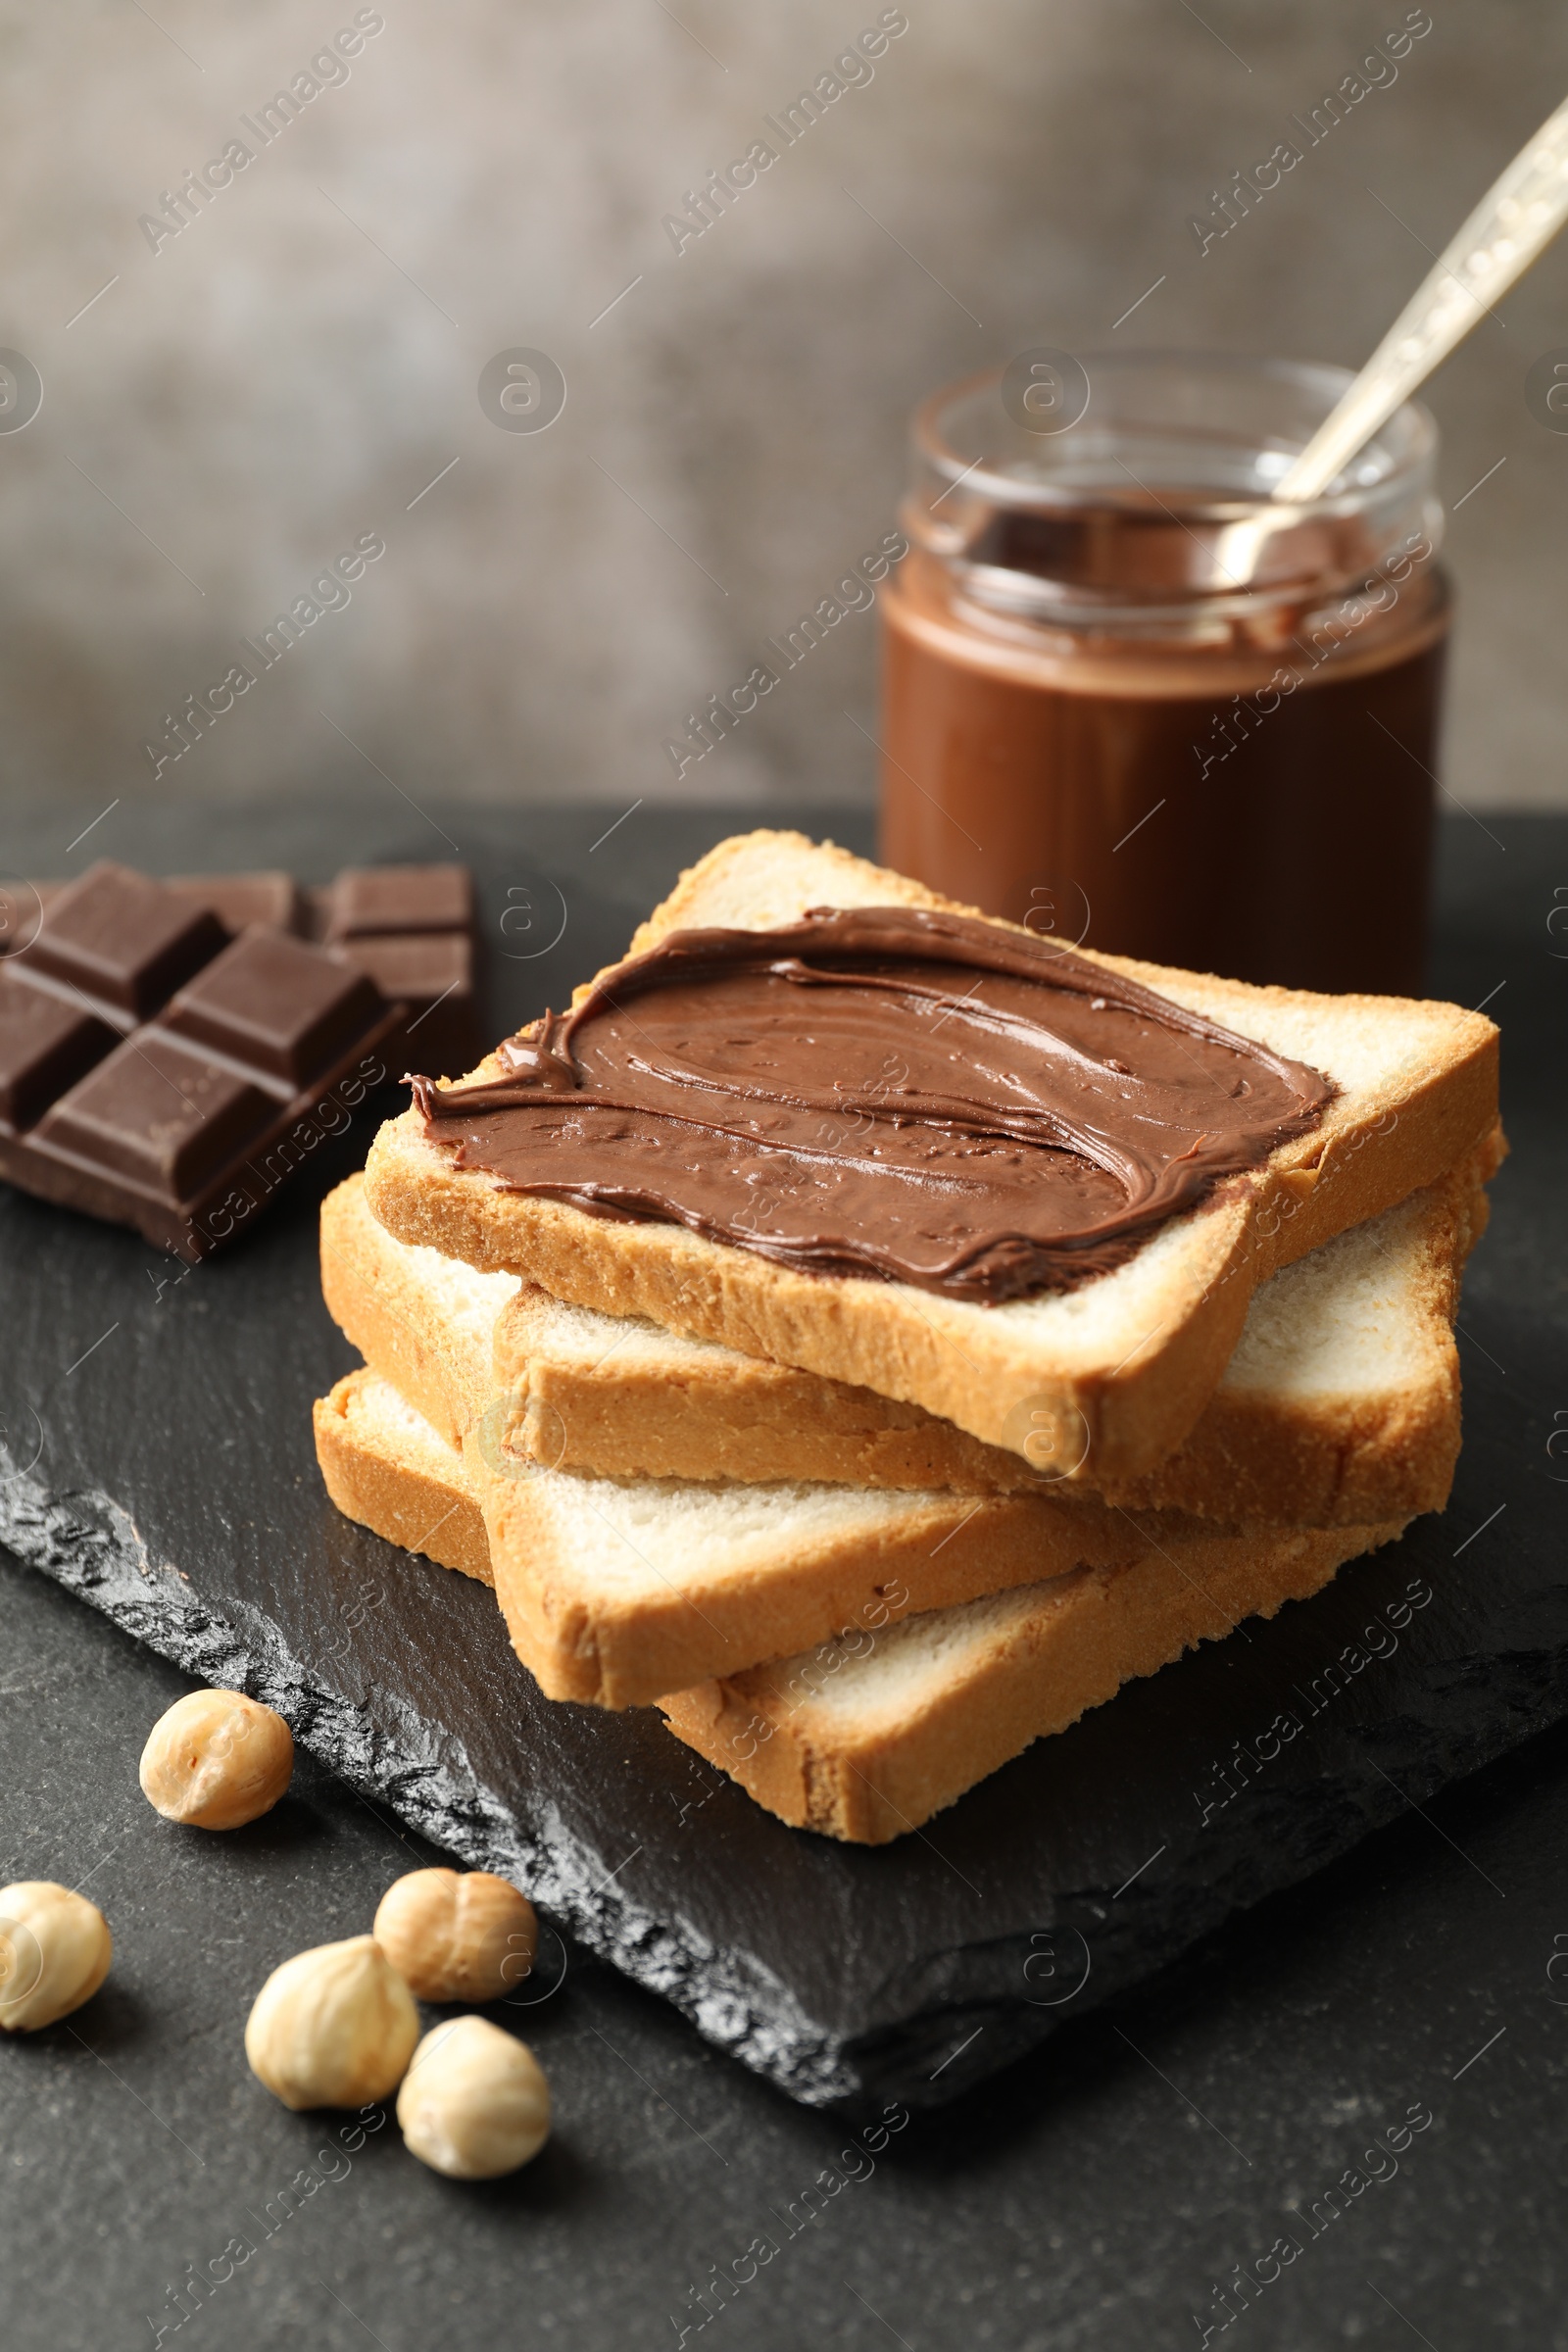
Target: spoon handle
(1510, 225)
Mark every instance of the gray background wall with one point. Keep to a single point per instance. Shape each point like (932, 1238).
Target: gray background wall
(295, 367)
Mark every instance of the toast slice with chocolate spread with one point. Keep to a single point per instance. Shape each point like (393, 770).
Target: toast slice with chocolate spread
(1110, 1375)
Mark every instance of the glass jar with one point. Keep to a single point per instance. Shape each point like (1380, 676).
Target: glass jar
(1130, 701)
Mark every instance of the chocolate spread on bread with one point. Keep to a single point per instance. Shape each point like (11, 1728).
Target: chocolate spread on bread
(881, 1090)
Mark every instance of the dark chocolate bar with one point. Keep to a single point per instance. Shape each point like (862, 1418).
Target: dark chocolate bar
(160, 1073)
(409, 928)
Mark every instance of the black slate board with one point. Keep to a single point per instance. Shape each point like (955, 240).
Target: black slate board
(160, 1463)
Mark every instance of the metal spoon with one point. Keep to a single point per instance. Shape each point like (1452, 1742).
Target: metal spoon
(1514, 222)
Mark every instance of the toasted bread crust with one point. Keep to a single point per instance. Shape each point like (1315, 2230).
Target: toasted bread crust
(1258, 1455)
(870, 1776)
(396, 1494)
(1380, 1448)
(379, 1302)
(1135, 1370)
(613, 1645)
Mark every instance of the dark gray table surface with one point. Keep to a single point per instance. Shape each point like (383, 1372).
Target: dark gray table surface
(1098, 2194)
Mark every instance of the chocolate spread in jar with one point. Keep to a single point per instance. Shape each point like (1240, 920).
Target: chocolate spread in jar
(1136, 702)
(881, 1090)
(1264, 811)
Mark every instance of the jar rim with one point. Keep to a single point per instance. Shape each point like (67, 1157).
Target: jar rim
(1399, 453)
(1153, 498)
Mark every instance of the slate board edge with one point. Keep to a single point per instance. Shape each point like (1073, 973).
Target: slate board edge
(1525, 1693)
(90, 1544)
(972, 2016)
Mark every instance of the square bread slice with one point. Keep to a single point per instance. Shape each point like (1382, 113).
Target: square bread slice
(615, 1591)
(875, 1731)
(1113, 1374)
(1339, 1405)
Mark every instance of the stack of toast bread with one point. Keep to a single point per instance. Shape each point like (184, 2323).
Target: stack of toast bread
(861, 1541)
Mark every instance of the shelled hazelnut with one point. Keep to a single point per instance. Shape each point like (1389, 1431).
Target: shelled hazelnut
(334, 2027)
(55, 1950)
(474, 2102)
(457, 1936)
(216, 1760)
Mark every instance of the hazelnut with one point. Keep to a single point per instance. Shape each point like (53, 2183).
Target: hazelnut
(55, 1950)
(217, 1760)
(457, 1936)
(474, 2102)
(334, 2027)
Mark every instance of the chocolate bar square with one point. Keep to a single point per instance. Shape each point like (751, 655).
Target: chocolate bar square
(160, 1115)
(276, 1004)
(366, 899)
(433, 977)
(46, 1043)
(124, 942)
